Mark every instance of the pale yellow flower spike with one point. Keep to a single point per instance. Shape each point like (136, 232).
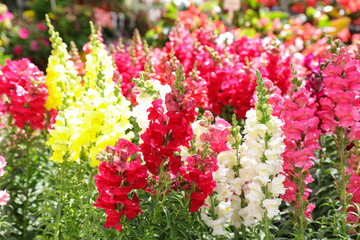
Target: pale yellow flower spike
(61, 76)
(93, 118)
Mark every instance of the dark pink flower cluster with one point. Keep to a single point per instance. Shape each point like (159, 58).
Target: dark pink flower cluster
(340, 109)
(193, 17)
(225, 75)
(314, 81)
(24, 86)
(198, 173)
(129, 62)
(116, 181)
(340, 105)
(301, 140)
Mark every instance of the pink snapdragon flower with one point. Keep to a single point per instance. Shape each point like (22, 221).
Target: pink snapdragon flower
(340, 109)
(23, 33)
(339, 105)
(302, 134)
(4, 195)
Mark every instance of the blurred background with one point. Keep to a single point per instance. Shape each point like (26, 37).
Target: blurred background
(23, 32)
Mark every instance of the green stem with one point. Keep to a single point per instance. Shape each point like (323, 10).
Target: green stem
(60, 203)
(26, 190)
(266, 225)
(90, 184)
(159, 181)
(342, 190)
(158, 191)
(79, 174)
(299, 213)
(188, 199)
(27, 153)
(266, 218)
(236, 234)
(80, 166)
(212, 208)
(243, 232)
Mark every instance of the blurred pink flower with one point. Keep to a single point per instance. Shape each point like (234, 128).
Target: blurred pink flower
(4, 197)
(6, 16)
(355, 38)
(103, 17)
(23, 33)
(17, 50)
(41, 26)
(263, 22)
(344, 35)
(34, 45)
(2, 165)
(276, 24)
(46, 42)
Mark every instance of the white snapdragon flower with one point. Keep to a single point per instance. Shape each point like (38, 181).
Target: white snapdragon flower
(276, 186)
(223, 174)
(236, 185)
(227, 158)
(198, 131)
(216, 225)
(226, 37)
(251, 213)
(225, 209)
(272, 206)
(184, 153)
(236, 219)
(140, 112)
(261, 140)
(163, 89)
(264, 171)
(247, 173)
(253, 192)
(253, 185)
(223, 191)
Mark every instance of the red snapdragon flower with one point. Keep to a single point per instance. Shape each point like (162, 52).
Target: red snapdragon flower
(167, 132)
(199, 172)
(116, 181)
(225, 76)
(24, 85)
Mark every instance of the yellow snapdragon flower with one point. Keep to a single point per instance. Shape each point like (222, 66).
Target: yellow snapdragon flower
(96, 117)
(61, 76)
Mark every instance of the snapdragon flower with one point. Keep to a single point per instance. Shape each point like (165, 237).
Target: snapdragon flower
(100, 105)
(249, 179)
(61, 76)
